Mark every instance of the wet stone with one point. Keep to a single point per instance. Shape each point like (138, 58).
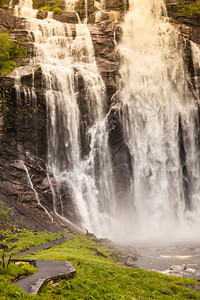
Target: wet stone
(178, 268)
(130, 261)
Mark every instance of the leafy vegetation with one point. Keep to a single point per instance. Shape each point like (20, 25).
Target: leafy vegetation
(54, 5)
(19, 241)
(9, 52)
(2, 3)
(4, 216)
(192, 9)
(57, 10)
(47, 8)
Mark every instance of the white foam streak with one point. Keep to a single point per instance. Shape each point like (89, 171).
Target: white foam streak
(35, 192)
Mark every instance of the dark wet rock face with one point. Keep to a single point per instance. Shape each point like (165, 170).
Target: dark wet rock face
(24, 122)
(103, 39)
(121, 158)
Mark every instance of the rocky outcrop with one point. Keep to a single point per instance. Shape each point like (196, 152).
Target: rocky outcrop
(176, 15)
(41, 14)
(119, 5)
(67, 17)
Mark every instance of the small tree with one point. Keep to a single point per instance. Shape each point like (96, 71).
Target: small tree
(192, 9)
(4, 217)
(5, 251)
(2, 2)
(9, 51)
(5, 256)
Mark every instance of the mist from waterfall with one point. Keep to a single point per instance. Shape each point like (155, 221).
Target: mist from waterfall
(160, 123)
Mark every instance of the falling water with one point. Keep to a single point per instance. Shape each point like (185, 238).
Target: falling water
(70, 5)
(35, 192)
(64, 59)
(160, 117)
(52, 192)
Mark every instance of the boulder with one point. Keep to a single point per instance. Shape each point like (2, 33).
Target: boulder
(66, 17)
(108, 16)
(41, 14)
(119, 5)
(130, 261)
(7, 18)
(178, 268)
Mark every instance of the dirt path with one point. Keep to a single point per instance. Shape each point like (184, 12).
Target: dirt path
(44, 246)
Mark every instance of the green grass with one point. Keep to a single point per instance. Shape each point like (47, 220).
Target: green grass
(103, 278)
(53, 5)
(9, 290)
(2, 3)
(57, 10)
(21, 241)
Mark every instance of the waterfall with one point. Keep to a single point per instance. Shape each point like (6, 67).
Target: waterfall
(160, 119)
(70, 5)
(35, 192)
(65, 61)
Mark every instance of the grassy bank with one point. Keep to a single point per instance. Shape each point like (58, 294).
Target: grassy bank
(99, 276)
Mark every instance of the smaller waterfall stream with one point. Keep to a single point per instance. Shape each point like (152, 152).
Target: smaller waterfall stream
(52, 192)
(35, 192)
(64, 61)
(70, 5)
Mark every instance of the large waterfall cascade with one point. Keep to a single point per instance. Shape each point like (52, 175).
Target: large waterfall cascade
(159, 118)
(160, 123)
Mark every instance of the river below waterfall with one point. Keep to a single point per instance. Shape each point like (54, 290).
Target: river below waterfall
(181, 259)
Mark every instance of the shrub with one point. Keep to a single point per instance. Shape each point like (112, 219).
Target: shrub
(57, 10)
(2, 3)
(35, 4)
(9, 51)
(192, 9)
(5, 47)
(45, 8)
(4, 216)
